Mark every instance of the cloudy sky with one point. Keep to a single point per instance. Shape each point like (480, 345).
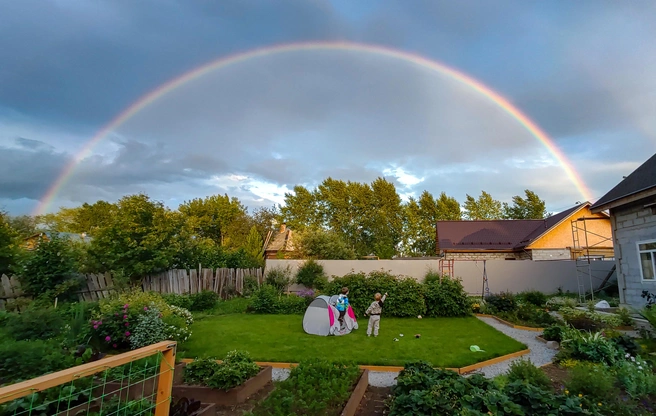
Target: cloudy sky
(584, 71)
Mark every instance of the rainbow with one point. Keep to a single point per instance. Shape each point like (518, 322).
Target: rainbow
(223, 62)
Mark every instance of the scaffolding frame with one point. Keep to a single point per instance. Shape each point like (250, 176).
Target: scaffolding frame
(446, 267)
(583, 266)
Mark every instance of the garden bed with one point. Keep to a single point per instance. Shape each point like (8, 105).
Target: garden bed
(228, 397)
(133, 390)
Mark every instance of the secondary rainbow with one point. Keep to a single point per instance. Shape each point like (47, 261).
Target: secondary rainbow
(223, 62)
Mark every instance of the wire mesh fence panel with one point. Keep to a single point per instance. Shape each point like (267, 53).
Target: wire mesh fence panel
(131, 384)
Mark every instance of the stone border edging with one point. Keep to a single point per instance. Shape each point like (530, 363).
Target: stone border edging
(525, 328)
(395, 369)
(357, 394)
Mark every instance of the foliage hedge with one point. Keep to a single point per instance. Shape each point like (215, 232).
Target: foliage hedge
(406, 296)
(268, 300)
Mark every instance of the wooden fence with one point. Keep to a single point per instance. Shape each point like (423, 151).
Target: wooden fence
(225, 282)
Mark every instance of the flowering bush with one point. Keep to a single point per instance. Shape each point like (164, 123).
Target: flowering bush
(149, 329)
(137, 319)
(581, 319)
(636, 376)
(558, 302)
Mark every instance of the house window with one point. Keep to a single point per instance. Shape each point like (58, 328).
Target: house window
(647, 253)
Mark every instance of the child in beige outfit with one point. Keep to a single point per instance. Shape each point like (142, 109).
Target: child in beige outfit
(374, 311)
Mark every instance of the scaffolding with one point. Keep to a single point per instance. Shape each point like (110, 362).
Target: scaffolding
(446, 267)
(581, 253)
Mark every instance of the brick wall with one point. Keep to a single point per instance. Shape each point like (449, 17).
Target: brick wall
(551, 254)
(633, 223)
(482, 256)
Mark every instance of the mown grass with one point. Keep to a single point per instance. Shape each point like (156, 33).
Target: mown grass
(444, 342)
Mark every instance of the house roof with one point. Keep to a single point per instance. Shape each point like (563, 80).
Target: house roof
(280, 241)
(484, 235)
(497, 234)
(641, 179)
(551, 222)
(70, 236)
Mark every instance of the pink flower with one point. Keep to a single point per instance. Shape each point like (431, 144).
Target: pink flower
(145, 308)
(125, 306)
(127, 324)
(108, 338)
(95, 327)
(99, 322)
(127, 333)
(125, 317)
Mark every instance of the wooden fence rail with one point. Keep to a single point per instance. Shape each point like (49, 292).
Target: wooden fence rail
(225, 282)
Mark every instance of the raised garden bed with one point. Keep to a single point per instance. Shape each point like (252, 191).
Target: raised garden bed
(206, 409)
(353, 403)
(229, 397)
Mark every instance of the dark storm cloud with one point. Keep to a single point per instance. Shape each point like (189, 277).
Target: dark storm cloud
(584, 71)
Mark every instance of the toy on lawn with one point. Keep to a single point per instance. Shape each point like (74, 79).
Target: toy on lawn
(475, 348)
(322, 318)
(419, 316)
(417, 335)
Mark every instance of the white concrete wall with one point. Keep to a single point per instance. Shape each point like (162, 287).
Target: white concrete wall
(632, 224)
(551, 254)
(503, 275)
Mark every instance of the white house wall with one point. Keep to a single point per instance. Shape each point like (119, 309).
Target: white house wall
(503, 275)
(632, 224)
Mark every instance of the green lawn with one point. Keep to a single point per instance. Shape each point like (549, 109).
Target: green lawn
(444, 342)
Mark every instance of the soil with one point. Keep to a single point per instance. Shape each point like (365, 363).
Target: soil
(556, 374)
(373, 402)
(238, 410)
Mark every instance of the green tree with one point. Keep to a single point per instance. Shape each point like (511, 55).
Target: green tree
(385, 218)
(51, 269)
(265, 219)
(529, 208)
(143, 237)
(255, 246)
(7, 244)
(483, 208)
(24, 225)
(414, 233)
(321, 245)
(301, 209)
(220, 218)
(448, 208)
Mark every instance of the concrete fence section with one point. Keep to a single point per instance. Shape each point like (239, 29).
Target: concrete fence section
(503, 275)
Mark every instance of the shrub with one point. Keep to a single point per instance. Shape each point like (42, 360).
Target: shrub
(529, 315)
(250, 285)
(150, 329)
(553, 333)
(182, 301)
(292, 304)
(203, 301)
(625, 317)
(588, 347)
(502, 302)
(558, 302)
(196, 372)
(311, 273)
(589, 321)
(534, 297)
(636, 377)
(279, 278)
(265, 300)
(594, 381)
(34, 324)
(51, 270)
(525, 371)
(23, 360)
(432, 276)
(406, 295)
(446, 299)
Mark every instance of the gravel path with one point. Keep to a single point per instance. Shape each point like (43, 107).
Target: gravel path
(539, 355)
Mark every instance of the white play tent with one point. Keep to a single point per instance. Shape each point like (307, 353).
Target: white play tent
(321, 318)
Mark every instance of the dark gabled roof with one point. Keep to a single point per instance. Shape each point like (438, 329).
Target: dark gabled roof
(641, 179)
(549, 223)
(497, 234)
(484, 235)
